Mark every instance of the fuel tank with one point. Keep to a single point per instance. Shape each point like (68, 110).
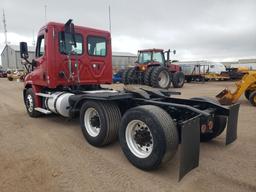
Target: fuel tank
(58, 103)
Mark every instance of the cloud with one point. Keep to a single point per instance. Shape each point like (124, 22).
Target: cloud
(197, 29)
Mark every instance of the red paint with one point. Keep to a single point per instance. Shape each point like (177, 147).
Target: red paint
(143, 67)
(46, 73)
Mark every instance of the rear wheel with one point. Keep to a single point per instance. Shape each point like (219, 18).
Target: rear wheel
(218, 124)
(148, 136)
(160, 77)
(99, 122)
(178, 79)
(147, 76)
(29, 100)
(252, 98)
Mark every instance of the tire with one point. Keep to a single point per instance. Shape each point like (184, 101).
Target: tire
(147, 76)
(106, 116)
(252, 98)
(125, 76)
(29, 101)
(247, 94)
(131, 76)
(160, 77)
(178, 79)
(10, 78)
(219, 123)
(159, 136)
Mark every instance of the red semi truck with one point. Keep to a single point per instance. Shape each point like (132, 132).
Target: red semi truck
(65, 78)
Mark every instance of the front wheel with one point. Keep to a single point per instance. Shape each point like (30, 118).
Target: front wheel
(29, 99)
(252, 98)
(247, 94)
(148, 136)
(178, 79)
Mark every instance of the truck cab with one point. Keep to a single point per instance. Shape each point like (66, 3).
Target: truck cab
(64, 59)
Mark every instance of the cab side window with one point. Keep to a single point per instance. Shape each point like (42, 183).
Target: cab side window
(40, 46)
(97, 46)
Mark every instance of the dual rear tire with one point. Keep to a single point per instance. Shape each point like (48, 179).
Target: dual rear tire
(147, 134)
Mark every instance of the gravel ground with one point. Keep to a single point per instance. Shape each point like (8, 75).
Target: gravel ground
(50, 154)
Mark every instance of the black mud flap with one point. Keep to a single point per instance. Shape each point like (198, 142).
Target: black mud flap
(190, 146)
(231, 133)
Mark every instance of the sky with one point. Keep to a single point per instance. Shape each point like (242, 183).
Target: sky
(217, 30)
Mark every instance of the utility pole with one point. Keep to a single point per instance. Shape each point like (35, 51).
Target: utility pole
(109, 18)
(5, 41)
(5, 28)
(45, 13)
(33, 41)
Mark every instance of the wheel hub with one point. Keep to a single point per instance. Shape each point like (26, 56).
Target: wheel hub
(143, 137)
(92, 122)
(139, 138)
(30, 103)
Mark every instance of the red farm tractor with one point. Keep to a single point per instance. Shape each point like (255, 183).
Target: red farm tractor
(71, 63)
(154, 70)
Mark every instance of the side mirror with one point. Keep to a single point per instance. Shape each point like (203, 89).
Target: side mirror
(24, 50)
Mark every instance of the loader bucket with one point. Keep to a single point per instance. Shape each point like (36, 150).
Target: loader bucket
(225, 97)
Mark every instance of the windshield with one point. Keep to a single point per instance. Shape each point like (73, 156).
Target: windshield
(145, 57)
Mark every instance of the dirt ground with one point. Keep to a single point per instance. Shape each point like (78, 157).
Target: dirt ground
(51, 154)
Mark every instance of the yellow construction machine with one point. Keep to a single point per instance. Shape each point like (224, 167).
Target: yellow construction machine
(246, 85)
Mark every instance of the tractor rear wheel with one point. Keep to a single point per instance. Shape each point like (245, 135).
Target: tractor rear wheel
(147, 76)
(160, 77)
(148, 136)
(252, 98)
(99, 122)
(178, 79)
(219, 123)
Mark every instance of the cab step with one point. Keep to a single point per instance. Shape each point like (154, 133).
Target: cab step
(44, 111)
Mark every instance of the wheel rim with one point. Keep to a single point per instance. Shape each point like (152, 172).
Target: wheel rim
(92, 122)
(163, 79)
(30, 104)
(139, 138)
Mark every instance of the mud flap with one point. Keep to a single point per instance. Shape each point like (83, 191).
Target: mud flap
(231, 133)
(190, 146)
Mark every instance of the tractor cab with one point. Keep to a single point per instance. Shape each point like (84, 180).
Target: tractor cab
(151, 57)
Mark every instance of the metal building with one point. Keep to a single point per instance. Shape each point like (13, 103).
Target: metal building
(10, 56)
(121, 60)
